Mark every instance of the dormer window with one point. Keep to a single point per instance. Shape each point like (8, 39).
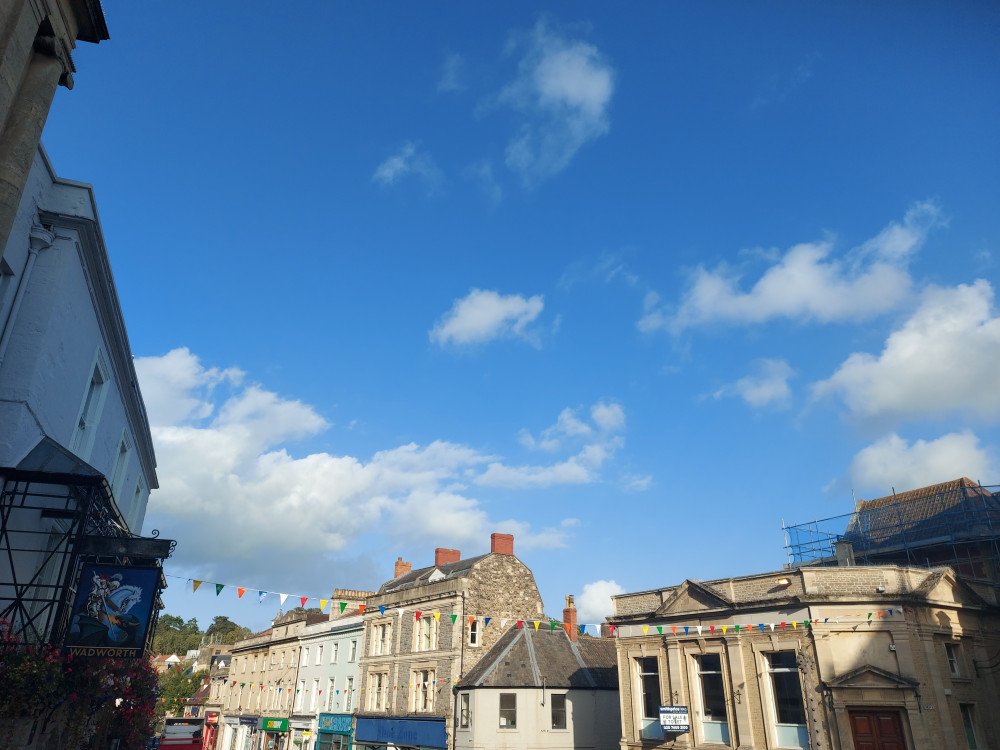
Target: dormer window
(437, 575)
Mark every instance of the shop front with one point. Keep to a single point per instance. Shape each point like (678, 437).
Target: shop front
(301, 734)
(377, 733)
(274, 733)
(211, 729)
(334, 732)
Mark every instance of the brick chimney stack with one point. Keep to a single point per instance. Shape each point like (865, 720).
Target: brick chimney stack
(444, 556)
(502, 544)
(402, 568)
(569, 617)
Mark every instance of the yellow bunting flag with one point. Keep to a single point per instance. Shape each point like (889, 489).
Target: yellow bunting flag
(322, 604)
(645, 629)
(536, 625)
(437, 616)
(724, 629)
(196, 584)
(795, 625)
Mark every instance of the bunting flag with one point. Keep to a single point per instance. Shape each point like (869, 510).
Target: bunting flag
(471, 619)
(685, 630)
(195, 585)
(283, 597)
(869, 615)
(724, 629)
(303, 599)
(613, 629)
(322, 604)
(713, 629)
(537, 623)
(361, 608)
(583, 629)
(645, 629)
(519, 624)
(453, 618)
(700, 627)
(659, 629)
(437, 617)
(260, 596)
(486, 621)
(400, 611)
(772, 626)
(381, 609)
(674, 628)
(552, 625)
(503, 622)
(737, 628)
(219, 587)
(890, 613)
(343, 606)
(240, 591)
(416, 615)
(762, 627)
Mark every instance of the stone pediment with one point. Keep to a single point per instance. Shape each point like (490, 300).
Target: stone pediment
(951, 589)
(692, 596)
(868, 676)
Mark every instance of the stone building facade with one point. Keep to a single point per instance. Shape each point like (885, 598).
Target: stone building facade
(37, 38)
(425, 628)
(880, 657)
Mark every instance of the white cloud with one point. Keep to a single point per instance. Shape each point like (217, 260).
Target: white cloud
(766, 385)
(609, 417)
(893, 462)
(594, 602)
(452, 74)
(806, 283)
(944, 358)
(564, 89)
(636, 483)
(483, 315)
(410, 161)
(223, 461)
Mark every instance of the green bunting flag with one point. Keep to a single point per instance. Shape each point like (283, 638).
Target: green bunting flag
(219, 587)
(659, 629)
(453, 618)
(552, 626)
(343, 606)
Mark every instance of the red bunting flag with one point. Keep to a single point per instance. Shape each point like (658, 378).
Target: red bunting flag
(240, 592)
(417, 614)
(674, 628)
(519, 624)
(303, 599)
(782, 626)
(361, 609)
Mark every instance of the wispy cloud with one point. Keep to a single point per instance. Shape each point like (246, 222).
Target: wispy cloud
(563, 89)
(452, 74)
(766, 385)
(807, 283)
(780, 87)
(410, 160)
(944, 358)
(484, 315)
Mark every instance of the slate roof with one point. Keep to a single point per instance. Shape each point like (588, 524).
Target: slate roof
(419, 577)
(956, 509)
(526, 658)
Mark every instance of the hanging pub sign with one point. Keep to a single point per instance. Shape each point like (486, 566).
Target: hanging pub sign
(675, 719)
(111, 614)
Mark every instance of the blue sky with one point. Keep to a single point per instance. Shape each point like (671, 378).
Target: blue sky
(633, 285)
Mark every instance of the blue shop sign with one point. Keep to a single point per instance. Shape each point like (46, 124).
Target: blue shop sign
(424, 732)
(248, 721)
(337, 723)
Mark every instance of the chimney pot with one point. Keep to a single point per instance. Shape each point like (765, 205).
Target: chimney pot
(444, 556)
(402, 568)
(502, 544)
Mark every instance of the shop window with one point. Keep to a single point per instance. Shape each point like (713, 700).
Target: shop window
(647, 670)
(789, 709)
(714, 722)
(558, 711)
(463, 711)
(508, 710)
(968, 719)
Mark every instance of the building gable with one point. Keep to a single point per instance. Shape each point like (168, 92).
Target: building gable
(692, 596)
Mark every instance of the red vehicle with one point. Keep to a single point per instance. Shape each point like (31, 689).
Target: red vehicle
(183, 734)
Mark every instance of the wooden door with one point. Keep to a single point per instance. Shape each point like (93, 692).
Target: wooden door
(877, 730)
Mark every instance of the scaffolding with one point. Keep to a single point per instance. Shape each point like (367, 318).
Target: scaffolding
(956, 524)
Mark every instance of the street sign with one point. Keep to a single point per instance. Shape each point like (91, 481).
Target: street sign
(675, 719)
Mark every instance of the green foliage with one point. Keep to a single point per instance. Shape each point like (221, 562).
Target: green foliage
(224, 630)
(310, 611)
(176, 686)
(174, 636)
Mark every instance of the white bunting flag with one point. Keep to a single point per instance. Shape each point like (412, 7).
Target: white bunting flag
(400, 612)
(772, 626)
(699, 629)
(503, 622)
(283, 597)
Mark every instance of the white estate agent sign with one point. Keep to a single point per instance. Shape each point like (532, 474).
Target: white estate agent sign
(675, 719)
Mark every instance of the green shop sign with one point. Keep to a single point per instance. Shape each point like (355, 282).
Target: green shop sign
(274, 725)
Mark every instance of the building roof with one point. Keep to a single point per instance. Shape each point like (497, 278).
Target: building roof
(528, 658)
(422, 576)
(960, 508)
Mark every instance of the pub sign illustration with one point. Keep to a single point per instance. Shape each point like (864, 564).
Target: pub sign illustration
(112, 611)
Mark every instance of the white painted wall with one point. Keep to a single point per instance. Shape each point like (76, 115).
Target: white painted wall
(55, 338)
(592, 721)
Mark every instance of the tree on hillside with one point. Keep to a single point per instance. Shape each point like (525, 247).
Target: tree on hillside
(176, 686)
(175, 636)
(224, 630)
